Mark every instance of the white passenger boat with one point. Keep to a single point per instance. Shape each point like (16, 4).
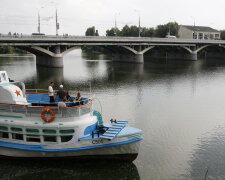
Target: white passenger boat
(31, 127)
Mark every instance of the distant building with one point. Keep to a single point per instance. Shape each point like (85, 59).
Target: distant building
(198, 32)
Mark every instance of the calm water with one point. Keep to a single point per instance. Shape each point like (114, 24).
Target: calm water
(179, 105)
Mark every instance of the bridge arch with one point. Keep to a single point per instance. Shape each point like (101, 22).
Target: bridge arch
(69, 50)
(138, 52)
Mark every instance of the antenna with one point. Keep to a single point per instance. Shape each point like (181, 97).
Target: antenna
(139, 32)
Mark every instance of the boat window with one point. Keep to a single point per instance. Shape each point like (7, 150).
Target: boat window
(50, 138)
(29, 130)
(66, 131)
(16, 129)
(3, 128)
(66, 138)
(17, 136)
(49, 131)
(4, 135)
(33, 138)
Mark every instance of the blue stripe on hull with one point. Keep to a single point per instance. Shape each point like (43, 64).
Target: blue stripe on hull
(39, 148)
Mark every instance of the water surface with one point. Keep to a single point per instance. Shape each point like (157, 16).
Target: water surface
(179, 105)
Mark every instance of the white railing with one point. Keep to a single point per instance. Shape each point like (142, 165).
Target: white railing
(35, 111)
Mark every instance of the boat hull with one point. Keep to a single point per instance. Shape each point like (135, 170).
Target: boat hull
(126, 152)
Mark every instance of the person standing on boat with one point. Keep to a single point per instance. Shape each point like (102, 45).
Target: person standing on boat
(51, 92)
(60, 93)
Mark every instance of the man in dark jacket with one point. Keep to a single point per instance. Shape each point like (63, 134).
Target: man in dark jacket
(60, 93)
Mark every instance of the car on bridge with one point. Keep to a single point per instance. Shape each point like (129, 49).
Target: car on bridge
(38, 34)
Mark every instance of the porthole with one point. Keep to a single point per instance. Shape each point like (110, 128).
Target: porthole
(66, 131)
(49, 131)
(16, 129)
(3, 128)
(29, 130)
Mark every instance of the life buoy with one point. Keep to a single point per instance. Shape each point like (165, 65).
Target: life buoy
(44, 118)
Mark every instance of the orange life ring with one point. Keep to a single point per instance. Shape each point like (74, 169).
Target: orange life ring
(44, 118)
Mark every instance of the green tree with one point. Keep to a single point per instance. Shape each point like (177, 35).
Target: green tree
(113, 32)
(91, 31)
(125, 31)
(163, 30)
(147, 32)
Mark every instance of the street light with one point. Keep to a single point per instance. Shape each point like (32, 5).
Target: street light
(169, 32)
(115, 29)
(139, 23)
(195, 34)
(39, 23)
(56, 22)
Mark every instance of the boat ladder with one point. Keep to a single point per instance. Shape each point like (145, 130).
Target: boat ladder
(112, 131)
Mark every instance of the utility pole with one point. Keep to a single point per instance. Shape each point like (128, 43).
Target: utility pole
(139, 32)
(115, 30)
(39, 24)
(169, 29)
(39, 20)
(57, 24)
(139, 23)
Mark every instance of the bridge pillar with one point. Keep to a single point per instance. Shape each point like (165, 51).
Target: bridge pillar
(49, 61)
(55, 61)
(193, 56)
(139, 58)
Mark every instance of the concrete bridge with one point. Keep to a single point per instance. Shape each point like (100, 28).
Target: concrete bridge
(49, 50)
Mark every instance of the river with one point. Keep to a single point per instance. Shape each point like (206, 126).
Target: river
(179, 105)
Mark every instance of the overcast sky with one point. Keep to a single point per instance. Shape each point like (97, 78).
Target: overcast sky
(75, 16)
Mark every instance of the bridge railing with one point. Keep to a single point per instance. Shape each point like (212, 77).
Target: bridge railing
(105, 39)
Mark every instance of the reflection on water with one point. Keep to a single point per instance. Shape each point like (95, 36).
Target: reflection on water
(179, 105)
(67, 169)
(209, 155)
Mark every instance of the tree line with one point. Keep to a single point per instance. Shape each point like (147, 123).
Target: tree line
(11, 50)
(133, 31)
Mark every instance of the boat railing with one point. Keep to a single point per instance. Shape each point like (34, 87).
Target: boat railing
(36, 111)
(36, 91)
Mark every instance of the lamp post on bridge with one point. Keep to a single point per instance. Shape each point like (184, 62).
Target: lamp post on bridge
(195, 34)
(57, 24)
(139, 23)
(115, 29)
(39, 21)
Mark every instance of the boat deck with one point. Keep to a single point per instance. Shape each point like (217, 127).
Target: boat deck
(43, 100)
(125, 131)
